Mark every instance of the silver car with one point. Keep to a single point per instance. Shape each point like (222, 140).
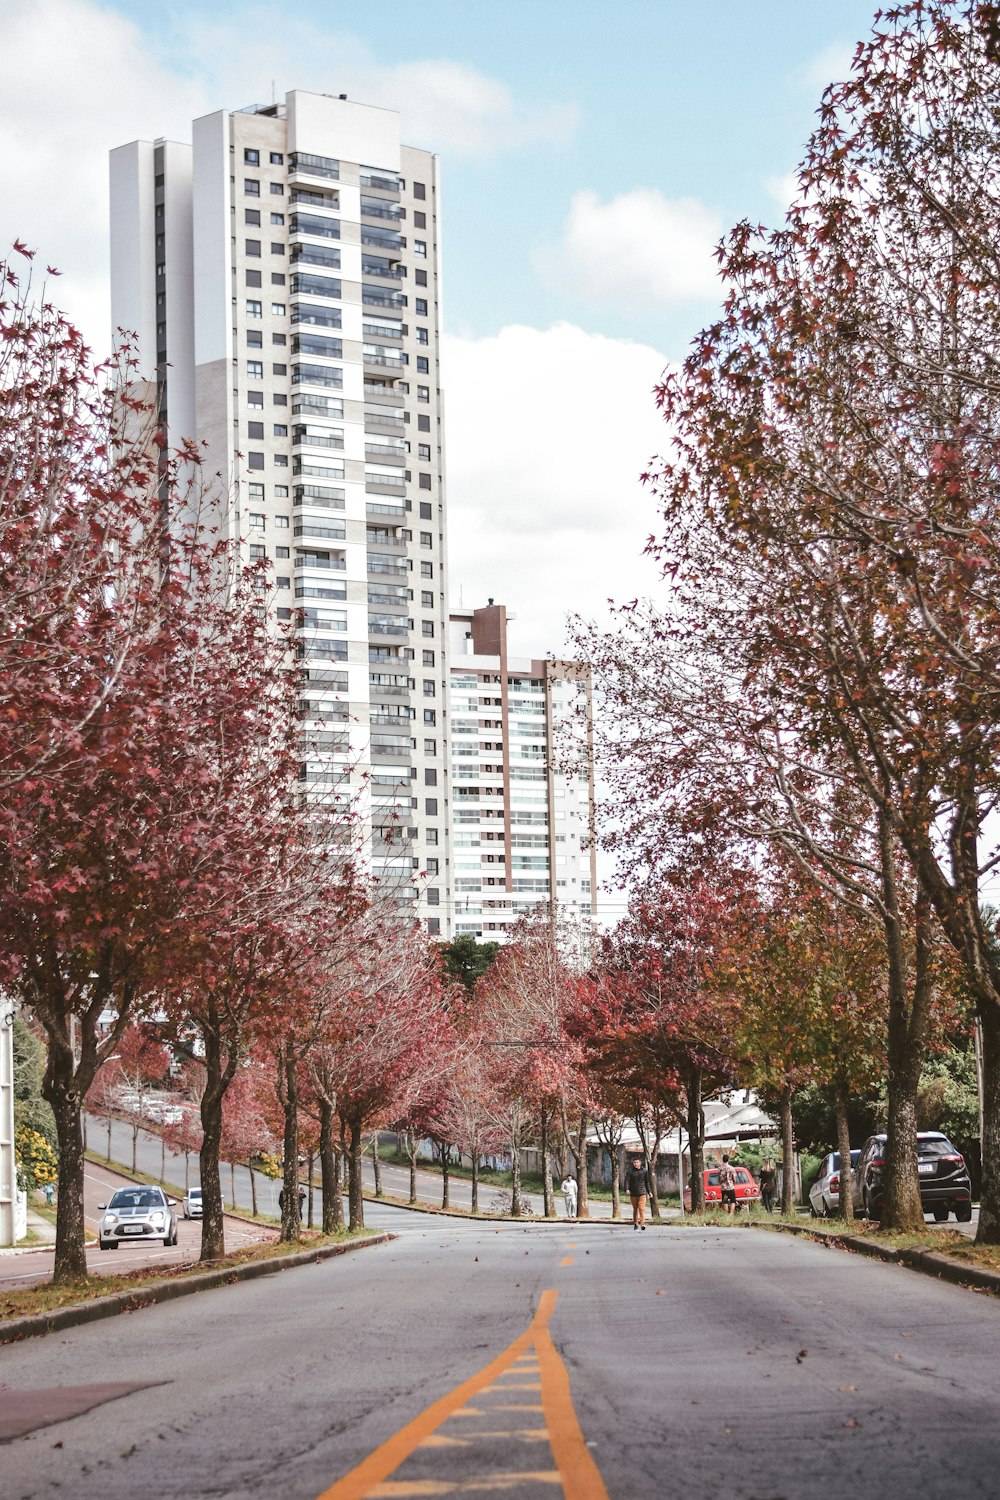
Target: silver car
(192, 1204)
(138, 1213)
(824, 1195)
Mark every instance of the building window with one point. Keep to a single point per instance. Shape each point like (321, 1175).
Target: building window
(283, 583)
(426, 539)
(423, 422)
(253, 247)
(423, 365)
(433, 897)
(255, 398)
(281, 493)
(251, 216)
(419, 190)
(279, 369)
(277, 278)
(253, 278)
(282, 552)
(427, 570)
(427, 627)
(251, 187)
(255, 430)
(255, 339)
(430, 776)
(278, 309)
(420, 247)
(254, 309)
(433, 926)
(277, 248)
(283, 614)
(277, 189)
(256, 519)
(421, 307)
(423, 337)
(424, 452)
(277, 218)
(255, 460)
(278, 338)
(280, 399)
(430, 716)
(430, 747)
(277, 159)
(280, 429)
(427, 657)
(423, 391)
(419, 219)
(281, 460)
(426, 597)
(251, 158)
(430, 808)
(281, 522)
(425, 509)
(420, 277)
(425, 481)
(255, 370)
(429, 687)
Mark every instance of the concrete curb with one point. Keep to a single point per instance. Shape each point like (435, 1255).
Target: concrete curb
(166, 1291)
(930, 1262)
(387, 1201)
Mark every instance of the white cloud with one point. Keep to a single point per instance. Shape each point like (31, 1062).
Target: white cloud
(832, 65)
(548, 433)
(639, 250)
(78, 79)
(783, 188)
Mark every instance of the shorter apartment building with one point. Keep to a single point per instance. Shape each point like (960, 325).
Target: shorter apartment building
(522, 779)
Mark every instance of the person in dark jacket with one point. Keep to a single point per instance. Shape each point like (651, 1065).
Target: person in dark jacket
(637, 1186)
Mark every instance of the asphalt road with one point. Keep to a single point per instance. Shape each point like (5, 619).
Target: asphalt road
(674, 1363)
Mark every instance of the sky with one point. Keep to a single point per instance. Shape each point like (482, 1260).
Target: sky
(592, 156)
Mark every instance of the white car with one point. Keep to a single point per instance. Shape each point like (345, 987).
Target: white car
(824, 1195)
(192, 1203)
(136, 1213)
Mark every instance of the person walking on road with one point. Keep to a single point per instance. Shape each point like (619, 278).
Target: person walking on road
(637, 1185)
(569, 1195)
(768, 1183)
(727, 1182)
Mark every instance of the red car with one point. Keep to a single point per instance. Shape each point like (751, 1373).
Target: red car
(747, 1190)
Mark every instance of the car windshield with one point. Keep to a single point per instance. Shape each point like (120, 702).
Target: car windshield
(195, 1193)
(136, 1198)
(712, 1178)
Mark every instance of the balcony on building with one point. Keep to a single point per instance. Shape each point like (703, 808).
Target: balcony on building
(377, 296)
(383, 421)
(385, 453)
(384, 484)
(380, 180)
(317, 437)
(387, 567)
(304, 165)
(382, 388)
(392, 625)
(315, 197)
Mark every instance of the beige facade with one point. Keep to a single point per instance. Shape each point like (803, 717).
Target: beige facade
(522, 780)
(282, 275)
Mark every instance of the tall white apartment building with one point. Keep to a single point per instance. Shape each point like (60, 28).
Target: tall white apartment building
(281, 276)
(522, 780)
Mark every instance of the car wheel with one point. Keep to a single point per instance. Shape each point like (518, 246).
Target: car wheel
(963, 1213)
(869, 1210)
(940, 1212)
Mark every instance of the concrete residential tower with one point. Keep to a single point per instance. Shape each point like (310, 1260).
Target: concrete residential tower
(522, 780)
(281, 275)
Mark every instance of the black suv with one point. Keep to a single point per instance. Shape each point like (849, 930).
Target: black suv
(944, 1180)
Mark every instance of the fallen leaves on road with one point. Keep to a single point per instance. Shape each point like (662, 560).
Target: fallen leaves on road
(801, 1356)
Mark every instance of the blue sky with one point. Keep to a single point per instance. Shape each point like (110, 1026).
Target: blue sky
(592, 153)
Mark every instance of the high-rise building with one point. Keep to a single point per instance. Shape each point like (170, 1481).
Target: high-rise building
(522, 780)
(281, 277)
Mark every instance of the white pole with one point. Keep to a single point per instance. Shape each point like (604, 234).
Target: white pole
(8, 1165)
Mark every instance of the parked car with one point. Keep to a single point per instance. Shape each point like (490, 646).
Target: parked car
(192, 1203)
(137, 1213)
(945, 1186)
(824, 1195)
(164, 1112)
(747, 1190)
(127, 1100)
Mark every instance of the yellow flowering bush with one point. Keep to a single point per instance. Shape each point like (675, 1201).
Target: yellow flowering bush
(36, 1160)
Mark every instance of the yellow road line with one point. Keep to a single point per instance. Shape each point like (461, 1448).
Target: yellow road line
(576, 1471)
(567, 1260)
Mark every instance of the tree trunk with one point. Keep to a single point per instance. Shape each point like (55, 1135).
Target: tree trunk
(187, 1171)
(135, 1142)
(988, 1232)
(842, 1098)
(253, 1189)
(312, 1163)
(377, 1165)
(445, 1175)
(787, 1151)
(163, 1159)
(290, 1216)
(616, 1192)
(411, 1151)
(515, 1175)
(333, 1208)
(475, 1182)
(548, 1197)
(232, 1184)
(356, 1200)
(212, 1222)
(582, 1196)
(71, 1256)
(109, 1137)
(696, 1142)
